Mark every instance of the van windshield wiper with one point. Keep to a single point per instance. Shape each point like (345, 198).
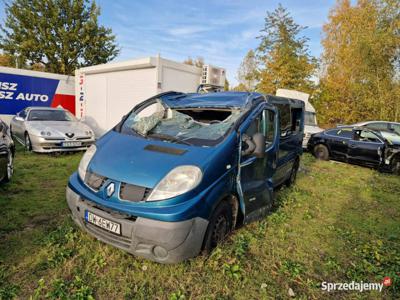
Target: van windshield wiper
(168, 138)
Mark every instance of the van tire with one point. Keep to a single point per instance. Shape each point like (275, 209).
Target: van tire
(293, 173)
(219, 227)
(321, 152)
(27, 143)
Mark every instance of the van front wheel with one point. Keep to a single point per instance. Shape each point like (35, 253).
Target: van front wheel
(219, 227)
(293, 174)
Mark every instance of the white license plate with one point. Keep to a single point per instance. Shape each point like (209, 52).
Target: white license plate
(72, 144)
(102, 222)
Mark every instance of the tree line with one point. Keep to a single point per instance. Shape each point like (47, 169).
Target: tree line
(356, 78)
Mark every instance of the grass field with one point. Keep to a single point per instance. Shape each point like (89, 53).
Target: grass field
(339, 223)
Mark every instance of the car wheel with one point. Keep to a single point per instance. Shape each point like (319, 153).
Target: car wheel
(395, 166)
(293, 174)
(10, 166)
(28, 144)
(321, 152)
(219, 227)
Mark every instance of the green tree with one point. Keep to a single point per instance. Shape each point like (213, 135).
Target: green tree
(240, 88)
(360, 78)
(226, 85)
(284, 55)
(247, 73)
(6, 60)
(61, 35)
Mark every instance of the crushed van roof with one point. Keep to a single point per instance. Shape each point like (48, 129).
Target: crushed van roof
(212, 100)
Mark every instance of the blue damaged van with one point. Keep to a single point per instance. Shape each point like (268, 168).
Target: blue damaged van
(181, 171)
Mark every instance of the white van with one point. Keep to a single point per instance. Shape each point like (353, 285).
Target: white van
(310, 117)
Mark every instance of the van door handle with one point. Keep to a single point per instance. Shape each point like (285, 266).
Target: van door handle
(353, 146)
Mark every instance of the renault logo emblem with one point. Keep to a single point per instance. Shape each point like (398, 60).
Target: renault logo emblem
(110, 189)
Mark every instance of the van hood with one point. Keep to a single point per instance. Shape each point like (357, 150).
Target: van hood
(143, 162)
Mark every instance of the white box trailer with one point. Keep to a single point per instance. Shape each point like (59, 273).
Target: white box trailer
(310, 115)
(105, 93)
(22, 88)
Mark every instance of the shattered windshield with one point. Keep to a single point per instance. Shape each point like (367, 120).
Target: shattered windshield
(188, 126)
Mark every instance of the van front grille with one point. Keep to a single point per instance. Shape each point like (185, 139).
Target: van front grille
(134, 193)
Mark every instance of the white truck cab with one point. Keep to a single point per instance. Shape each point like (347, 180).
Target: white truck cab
(310, 116)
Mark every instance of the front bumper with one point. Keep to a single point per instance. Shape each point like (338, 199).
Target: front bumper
(43, 145)
(160, 241)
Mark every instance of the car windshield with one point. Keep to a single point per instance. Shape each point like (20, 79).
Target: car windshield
(195, 126)
(50, 115)
(310, 118)
(391, 136)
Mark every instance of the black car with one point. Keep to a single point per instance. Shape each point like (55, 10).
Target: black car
(356, 145)
(7, 152)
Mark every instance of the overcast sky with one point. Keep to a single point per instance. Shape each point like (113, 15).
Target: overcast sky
(220, 31)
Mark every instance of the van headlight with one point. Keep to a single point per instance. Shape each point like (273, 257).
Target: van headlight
(177, 182)
(87, 157)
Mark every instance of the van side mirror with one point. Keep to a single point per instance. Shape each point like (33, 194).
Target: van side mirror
(18, 118)
(259, 141)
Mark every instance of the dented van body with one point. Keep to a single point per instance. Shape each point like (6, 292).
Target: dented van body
(180, 171)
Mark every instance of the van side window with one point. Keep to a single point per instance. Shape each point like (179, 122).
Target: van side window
(285, 119)
(296, 120)
(269, 126)
(255, 127)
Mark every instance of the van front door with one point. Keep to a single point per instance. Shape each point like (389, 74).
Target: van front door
(255, 174)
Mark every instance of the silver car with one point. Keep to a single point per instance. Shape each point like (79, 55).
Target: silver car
(44, 129)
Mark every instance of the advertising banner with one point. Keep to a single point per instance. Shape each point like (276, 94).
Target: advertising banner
(20, 91)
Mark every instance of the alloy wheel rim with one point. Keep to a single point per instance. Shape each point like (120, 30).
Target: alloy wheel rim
(27, 143)
(319, 153)
(10, 167)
